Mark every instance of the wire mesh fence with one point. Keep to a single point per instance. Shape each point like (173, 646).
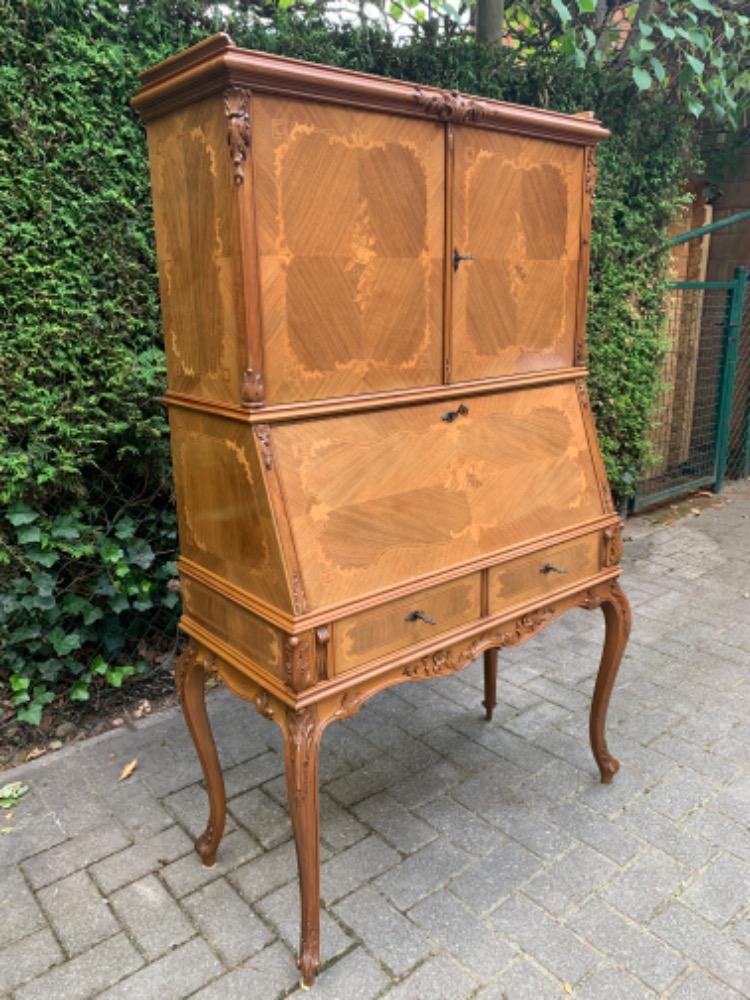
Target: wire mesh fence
(684, 434)
(738, 459)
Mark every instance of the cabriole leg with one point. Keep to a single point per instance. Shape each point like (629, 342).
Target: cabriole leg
(302, 743)
(617, 621)
(490, 682)
(190, 678)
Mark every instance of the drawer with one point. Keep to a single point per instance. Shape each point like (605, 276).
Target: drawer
(544, 572)
(393, 626)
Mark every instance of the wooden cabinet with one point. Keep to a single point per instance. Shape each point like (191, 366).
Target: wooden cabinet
(385, 462)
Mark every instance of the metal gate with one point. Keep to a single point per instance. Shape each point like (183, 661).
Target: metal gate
(702, 413)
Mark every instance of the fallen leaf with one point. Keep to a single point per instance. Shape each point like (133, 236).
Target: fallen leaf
(36, 752)
(9, 815)
(5, 830)
(10, 794)
(568, 988)
(144, 708)
(695, 511)
(128, 770)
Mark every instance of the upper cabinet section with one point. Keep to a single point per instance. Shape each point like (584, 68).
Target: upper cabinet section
(325, 234)
(517, 206)
(350, 217)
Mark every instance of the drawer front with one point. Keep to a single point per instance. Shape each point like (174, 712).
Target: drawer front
(544, 572)
(402, 623)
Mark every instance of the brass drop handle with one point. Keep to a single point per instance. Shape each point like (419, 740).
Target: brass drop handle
(458, 257)
(549, 568)
(452, 415)
(420, 616)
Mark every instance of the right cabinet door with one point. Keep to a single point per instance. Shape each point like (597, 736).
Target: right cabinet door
(516, 238)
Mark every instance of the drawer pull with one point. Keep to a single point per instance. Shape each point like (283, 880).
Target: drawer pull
(452, 415)
(549, 568)
(420, 616)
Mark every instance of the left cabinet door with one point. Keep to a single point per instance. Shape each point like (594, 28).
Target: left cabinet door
(350, 214)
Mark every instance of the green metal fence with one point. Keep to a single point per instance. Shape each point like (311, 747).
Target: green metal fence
(702, 415)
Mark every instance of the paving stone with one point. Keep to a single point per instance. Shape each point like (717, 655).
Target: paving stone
(151, 916)
(422, 873)
(663, 833)
(174, 976)
(694, 757)
(555, 782)
(356, 976)
(28, 958)
(606, 837)
(720, 891)
(140, 859)
(419, 788)
(469, 754)
(227, 922)
(545, 940)
(137, 810)
(639, 952)
(88, 974)
(270, 871)
(741, 932)
(372, 777)
(558, 694)
(536, 718)
(35, 828)
(437, 979)
(338, 827)
(681, 791)
(720, 831)
(496, 782)
(262, 817)
(189, 873)
(501, 872)
(570, 880)
(457, 930)
(268, 975)
(395, 824)
(360, 863)
(385, 932)
(78, 912)
(524, 981)
(734, 800)
(27, 917)
(698, 986)
(530, 826)
(72, 855)
(613, 984)
(645, 885)
(251, 773)
(460, 826)
(282, 909)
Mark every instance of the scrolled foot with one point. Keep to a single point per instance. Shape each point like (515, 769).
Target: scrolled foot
(206, 846)
(309, 965)
(608, 767)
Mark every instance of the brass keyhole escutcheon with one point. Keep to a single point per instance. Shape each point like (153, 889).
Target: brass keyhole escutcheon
(452, 415)
(458, 257)
(549, 568)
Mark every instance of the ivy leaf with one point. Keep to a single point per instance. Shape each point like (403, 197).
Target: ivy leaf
(79, 691)
(586, 6)
(658, 68)
(667, 31)
(562, 11)
(695, 107)
(110, 551)
(21, 513)
(28, 534)
(642, 78)
(645, 28)
(64, 643)
(695, 64)
(706, 5)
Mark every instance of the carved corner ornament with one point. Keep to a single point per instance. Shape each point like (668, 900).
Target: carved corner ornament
(449, 105)
(263, 434)
(613, 545)
(322, 640)
(253, 391)
(297, 662)
(193, 656)
(301, 728)
(237, 110)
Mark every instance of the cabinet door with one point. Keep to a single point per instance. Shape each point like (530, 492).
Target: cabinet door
(378, 499)
(350, 219)
(517, 214)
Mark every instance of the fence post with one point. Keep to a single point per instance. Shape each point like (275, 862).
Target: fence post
(728, 371)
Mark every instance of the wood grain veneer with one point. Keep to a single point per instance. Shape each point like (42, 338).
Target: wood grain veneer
(385, 462)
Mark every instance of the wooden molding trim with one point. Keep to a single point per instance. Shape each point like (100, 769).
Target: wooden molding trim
(216, 63)
(283, 412)
(324, 616)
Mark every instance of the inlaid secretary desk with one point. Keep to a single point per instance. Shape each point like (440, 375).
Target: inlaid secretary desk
(374, 303)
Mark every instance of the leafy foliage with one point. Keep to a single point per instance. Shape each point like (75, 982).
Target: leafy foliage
(87, 540)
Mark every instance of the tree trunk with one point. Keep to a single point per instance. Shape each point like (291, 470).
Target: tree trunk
(490, 15)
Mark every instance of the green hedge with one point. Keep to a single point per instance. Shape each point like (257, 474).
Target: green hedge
(87, 537)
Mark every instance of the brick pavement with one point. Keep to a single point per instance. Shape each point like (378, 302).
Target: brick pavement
(460, 859)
